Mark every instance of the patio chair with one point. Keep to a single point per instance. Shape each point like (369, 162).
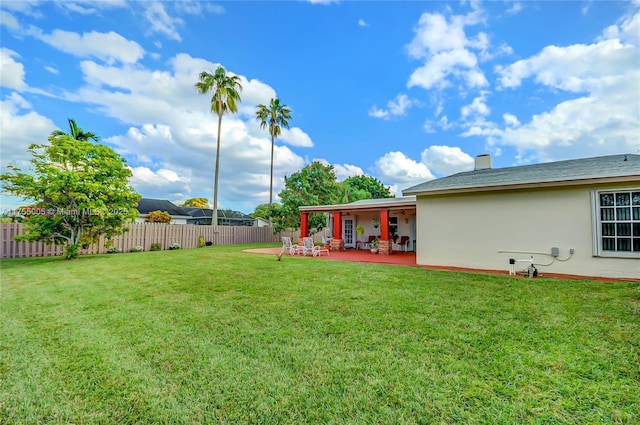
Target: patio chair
(326, 242)
(307, 246)
(288, 246)
(402, 244)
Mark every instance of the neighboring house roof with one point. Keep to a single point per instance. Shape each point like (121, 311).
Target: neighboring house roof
(198, 212)
(364, 205)
(146, 205)
(602, 169)
(208, 212)
(224, 216)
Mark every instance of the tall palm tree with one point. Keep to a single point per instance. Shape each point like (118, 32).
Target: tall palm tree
(225, 97)
(76, 132)
(276, 115)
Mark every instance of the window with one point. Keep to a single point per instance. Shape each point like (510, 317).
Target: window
(393, 227)
(618, 221)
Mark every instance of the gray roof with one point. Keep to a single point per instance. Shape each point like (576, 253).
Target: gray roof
(208, 212)
(560, 173)
(146, 205)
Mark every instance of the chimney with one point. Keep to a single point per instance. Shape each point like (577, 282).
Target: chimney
(483, 162)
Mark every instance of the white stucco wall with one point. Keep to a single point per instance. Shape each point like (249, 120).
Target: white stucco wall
(471, 230)
(406, 225)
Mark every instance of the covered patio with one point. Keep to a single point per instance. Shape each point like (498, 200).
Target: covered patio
(390, 223)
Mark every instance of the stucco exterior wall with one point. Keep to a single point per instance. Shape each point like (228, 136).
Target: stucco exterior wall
(485, 230)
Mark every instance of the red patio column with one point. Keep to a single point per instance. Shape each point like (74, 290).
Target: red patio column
(337, 244)
(384, 246)
(304, 224)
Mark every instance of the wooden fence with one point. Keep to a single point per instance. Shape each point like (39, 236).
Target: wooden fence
(143, 235)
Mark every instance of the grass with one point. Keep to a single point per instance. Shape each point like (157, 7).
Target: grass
(217, 335)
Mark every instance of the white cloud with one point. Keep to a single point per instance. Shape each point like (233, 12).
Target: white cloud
(323, 2)
(160, 21)
(296, 137)
(397, 168)
(362, 23)
(477, 107)
(12, 75)
(163, 182)
(254, 92)
(344, 171)
(109, 47)
(8, 20)
(395, 108)
(90, 7)
(515, 8)
(510, 120)
(447, 51)
(198, 7)
(576, 68)
(446, 160)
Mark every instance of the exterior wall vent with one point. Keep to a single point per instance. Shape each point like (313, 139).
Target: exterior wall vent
(483, 162)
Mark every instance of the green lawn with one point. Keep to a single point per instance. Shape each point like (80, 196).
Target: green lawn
(217, 335)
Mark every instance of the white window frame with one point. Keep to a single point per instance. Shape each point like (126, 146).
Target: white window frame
(598, 251)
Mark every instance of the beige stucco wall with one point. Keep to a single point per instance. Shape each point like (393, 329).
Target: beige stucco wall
(471, 230)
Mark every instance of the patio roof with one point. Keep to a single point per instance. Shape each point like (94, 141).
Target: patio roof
(364, 205)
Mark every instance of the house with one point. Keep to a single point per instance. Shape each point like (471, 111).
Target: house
(386, 219)
(225, 217)
(146, 205)
(579, 217)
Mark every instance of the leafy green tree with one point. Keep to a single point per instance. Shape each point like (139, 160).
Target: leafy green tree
(364, 187)
(275, 116)
(196, 203)
(267, 212)
(80, 191)
(158, 217)
(315, 184)
(225, 97)
(76, 132)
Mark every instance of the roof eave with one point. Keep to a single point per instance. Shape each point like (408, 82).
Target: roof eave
(351, 207)
(534, 185)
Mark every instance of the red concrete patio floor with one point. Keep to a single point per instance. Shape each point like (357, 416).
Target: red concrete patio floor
(409, 259)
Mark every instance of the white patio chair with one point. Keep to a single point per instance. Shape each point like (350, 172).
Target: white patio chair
(288, 246)
(308, 246)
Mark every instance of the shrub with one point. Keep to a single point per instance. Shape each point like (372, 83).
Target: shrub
(114, 250)
(175, 246)
(158, 217)
(136, 248)
(200, 241)
(156, 246)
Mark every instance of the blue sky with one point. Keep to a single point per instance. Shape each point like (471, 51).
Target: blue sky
(401, 91)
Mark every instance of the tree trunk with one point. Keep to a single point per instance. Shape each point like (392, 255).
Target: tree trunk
(271, 181)
(214, 215)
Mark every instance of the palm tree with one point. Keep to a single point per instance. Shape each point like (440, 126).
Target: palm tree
(225, 97)
(76, 132)
(275, 115)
